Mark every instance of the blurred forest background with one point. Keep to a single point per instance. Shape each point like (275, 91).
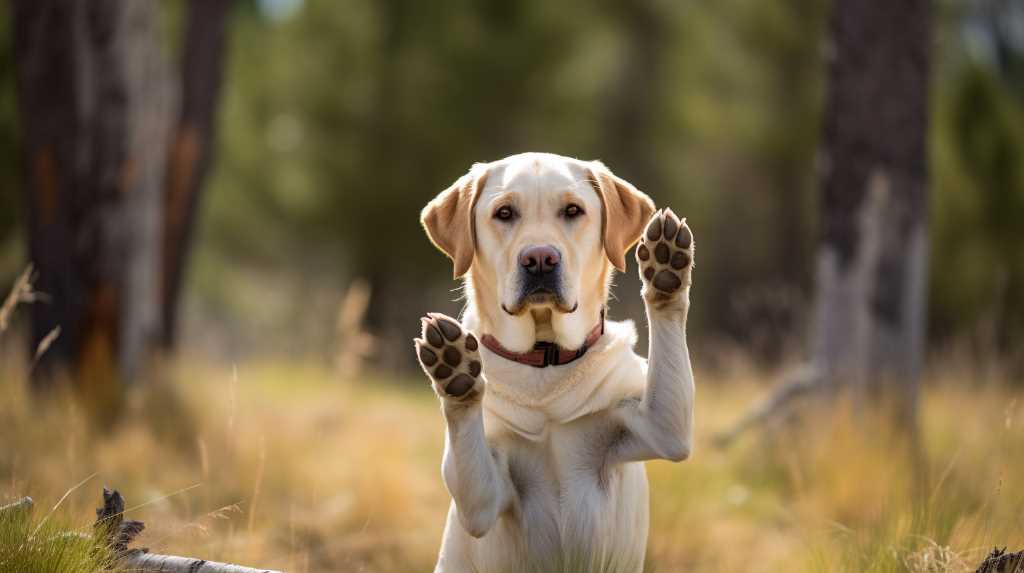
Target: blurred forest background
(287, 147)
(339, 120)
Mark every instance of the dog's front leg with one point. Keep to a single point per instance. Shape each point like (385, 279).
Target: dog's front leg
(474, 472)
(659, 424)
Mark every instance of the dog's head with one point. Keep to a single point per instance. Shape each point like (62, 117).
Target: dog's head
(538, 234)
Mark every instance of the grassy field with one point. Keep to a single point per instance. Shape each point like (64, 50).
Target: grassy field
(285, 466)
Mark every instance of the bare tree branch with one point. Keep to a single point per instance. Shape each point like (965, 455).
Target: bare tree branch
(803, 381)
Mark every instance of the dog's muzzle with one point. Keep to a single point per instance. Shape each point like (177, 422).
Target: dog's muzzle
(540, 279)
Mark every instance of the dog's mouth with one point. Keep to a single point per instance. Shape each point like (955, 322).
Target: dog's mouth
(540, 296)
(538, 292)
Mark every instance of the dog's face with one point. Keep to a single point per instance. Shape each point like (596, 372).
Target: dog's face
(539, 234)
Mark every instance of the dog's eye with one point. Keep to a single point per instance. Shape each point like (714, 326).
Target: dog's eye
(572, 211)
(505, 213)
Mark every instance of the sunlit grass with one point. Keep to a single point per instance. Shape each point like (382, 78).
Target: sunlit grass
(282, 465)
(36, 544)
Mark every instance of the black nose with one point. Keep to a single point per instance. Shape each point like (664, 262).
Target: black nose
(539, 260)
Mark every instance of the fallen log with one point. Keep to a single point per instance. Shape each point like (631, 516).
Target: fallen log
(117, 533)
(139, 560)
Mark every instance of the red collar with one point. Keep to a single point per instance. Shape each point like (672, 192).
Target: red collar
(545, 354)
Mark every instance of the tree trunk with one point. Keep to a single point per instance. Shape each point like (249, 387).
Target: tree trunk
(632, 116)
(632, 113)
(872, 260)
(109, 220)
(91, 100)
(191, 149)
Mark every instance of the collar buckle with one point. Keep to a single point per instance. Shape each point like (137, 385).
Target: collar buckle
(550, 356)
(544, 354)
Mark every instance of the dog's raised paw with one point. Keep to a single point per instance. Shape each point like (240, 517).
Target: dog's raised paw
(665, 257)
(450, 356)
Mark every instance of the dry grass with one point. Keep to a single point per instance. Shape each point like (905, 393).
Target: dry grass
(283, 466)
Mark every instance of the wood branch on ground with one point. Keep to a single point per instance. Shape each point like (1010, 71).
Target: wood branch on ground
(118, 534)
(111, 527)
(803, 381)
(999, 561)
(139, 560)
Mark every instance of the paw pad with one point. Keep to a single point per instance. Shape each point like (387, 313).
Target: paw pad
(665, 256)
(449, 356)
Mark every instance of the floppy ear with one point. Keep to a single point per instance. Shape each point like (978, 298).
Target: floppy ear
(448, 219)
(625, 212)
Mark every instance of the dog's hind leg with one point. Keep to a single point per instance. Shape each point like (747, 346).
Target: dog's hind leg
(659, 424)
(475, 474)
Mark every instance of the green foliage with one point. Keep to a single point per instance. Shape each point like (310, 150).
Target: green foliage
(45, 546)
(341, 120)
(346, 119)
(978, 269)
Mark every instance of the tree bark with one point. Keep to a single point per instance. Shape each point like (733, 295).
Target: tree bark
(144, 562)
(631, 109)
(632, 115)
(872, 260)
(112, 195)
(89, 93)
(191, 150)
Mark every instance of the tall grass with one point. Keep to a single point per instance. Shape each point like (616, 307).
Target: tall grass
(40, 545)
(283, 465)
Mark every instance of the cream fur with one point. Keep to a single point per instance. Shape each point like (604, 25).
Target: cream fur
(545, 470)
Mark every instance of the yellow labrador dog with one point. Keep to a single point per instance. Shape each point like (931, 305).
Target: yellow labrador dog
(549, 411)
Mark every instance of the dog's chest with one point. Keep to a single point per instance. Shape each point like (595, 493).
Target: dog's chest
(569, 502)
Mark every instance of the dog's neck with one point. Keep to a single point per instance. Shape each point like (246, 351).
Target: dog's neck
(527, 400)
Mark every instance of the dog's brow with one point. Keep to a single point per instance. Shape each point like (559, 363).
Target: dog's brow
(570, 195)
(504, 196)
(587, 184)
